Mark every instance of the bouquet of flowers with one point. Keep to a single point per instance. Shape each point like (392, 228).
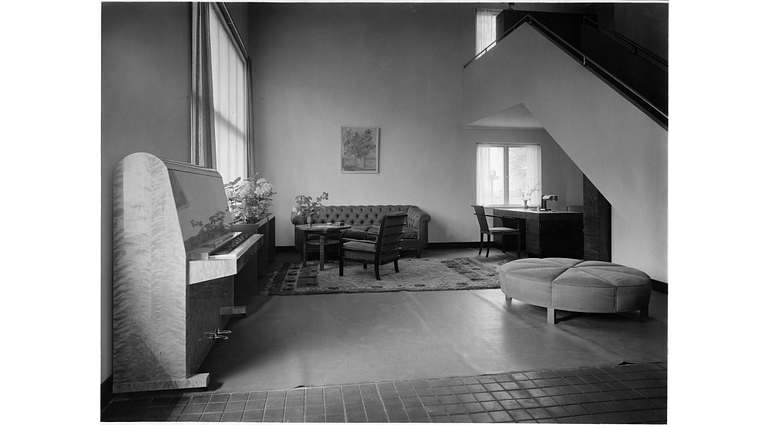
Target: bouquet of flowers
(249, 198)
(526, 195)
(306, 206)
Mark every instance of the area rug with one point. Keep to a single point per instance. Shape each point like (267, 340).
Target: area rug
(415, 275)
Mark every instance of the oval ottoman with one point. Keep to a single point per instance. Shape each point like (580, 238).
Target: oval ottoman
(576, 285)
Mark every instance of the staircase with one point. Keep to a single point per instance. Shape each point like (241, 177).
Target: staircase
(614, 133)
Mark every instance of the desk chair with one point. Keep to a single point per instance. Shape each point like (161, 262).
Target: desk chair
(385, 248)
(482, 219)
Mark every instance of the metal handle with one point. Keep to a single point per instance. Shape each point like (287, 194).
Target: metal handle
(219, 334)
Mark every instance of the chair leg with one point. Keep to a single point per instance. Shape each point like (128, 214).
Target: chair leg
(518, 245)
(365, 266)
(503, 243)
(341, 266)
(481, 245)
(488, 246)
(376, 271)
(397, 270)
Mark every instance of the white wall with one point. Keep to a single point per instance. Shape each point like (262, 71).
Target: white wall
(620, 149)
(394, 66)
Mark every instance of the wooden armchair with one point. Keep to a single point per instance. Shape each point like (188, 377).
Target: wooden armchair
(383, 249)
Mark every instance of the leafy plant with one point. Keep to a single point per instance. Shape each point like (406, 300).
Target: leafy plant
(249, 197)
(306, 206)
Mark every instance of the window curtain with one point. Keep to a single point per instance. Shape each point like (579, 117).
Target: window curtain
(533, 172)
(203, 128)
(485, 28)
(231, 97)
(249, 146)
(484, 195)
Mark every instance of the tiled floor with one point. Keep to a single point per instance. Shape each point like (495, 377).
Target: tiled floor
(633, 393)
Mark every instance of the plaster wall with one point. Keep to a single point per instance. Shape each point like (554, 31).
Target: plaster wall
(393, 66)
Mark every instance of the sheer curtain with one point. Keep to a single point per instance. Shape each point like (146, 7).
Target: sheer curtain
(230, 103)
(203, 136)
(485, 28)
(484, 180)
(533, 172)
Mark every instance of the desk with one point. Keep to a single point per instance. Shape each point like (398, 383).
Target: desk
(547, 233)
(323, 231)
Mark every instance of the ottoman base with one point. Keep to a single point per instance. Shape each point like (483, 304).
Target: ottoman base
(552, 313)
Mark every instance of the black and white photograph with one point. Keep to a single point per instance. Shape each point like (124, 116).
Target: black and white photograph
(540, 128)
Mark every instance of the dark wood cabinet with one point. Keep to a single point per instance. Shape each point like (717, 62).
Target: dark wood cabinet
(246, 280)
(597, 224)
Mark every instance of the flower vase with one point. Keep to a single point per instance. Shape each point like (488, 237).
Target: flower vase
(525, 204)
(249, 211)
(309, 220)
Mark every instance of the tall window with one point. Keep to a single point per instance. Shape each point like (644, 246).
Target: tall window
(230, 102)
(506, 174)
(485, 28)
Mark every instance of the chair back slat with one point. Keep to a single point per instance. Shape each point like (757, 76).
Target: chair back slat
(482, 220)
(391, 231)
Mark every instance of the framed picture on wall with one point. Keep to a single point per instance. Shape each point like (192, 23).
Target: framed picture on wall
(359, 149)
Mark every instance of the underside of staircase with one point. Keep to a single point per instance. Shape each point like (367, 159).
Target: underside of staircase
(617, 144)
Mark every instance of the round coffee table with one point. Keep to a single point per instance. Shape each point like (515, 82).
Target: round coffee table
(323, 231)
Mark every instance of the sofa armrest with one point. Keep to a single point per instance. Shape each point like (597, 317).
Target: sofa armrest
(297, 219)
(417, 218)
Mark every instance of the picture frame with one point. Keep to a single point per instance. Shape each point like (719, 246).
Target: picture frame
(359, 150)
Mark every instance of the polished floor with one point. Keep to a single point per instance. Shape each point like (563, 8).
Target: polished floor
(505, 363)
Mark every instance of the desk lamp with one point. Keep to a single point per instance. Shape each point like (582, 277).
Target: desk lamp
(544, 200)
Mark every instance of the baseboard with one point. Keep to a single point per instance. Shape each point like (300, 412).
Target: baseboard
(452, 245)
(659, 286)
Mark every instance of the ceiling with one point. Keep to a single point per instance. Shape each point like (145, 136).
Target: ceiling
(517, 116)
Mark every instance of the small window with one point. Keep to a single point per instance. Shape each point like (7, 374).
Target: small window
(485, 29)
(508, 174)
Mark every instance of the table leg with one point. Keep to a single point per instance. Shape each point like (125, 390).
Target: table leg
(304, 250)
(322, 251)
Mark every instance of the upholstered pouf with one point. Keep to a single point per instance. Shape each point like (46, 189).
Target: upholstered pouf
(576, 285)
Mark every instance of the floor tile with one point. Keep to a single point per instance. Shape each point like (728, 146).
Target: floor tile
(617, 394)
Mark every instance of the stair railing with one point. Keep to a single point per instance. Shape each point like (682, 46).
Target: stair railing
(632, 45)
(644, 104)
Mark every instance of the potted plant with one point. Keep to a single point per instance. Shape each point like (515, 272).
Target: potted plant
(306, 206)
(249, 199)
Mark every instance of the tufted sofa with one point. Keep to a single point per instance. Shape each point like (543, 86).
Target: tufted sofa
(365, 218)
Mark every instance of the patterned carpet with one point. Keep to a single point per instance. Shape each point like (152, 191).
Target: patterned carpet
(415, 275)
